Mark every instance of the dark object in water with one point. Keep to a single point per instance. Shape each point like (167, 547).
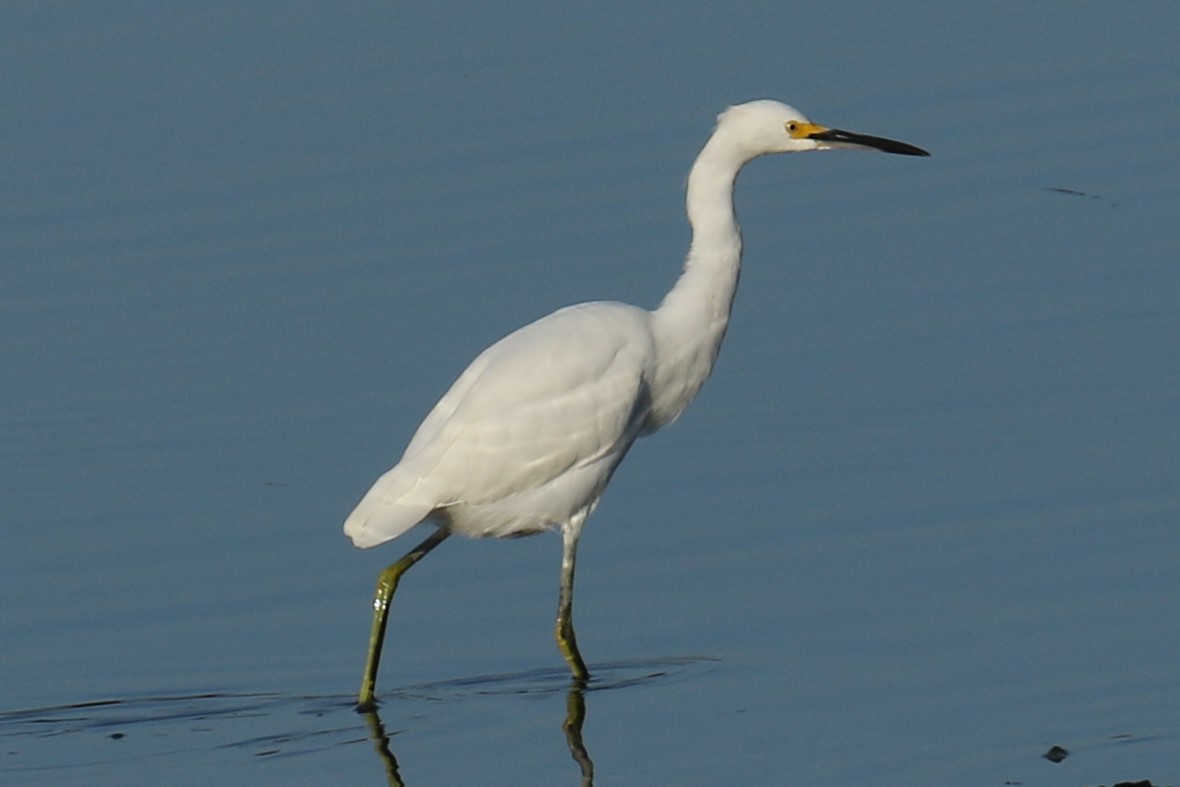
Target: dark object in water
(1055, 754)
(1073, 192)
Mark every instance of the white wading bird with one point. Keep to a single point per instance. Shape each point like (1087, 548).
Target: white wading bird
(528, 437)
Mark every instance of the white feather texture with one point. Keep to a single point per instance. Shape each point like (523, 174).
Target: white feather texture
(529, 434)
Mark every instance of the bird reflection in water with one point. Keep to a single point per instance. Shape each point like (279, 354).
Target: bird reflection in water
(575, 717)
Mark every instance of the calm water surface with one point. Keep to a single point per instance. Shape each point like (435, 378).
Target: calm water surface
(921, 526)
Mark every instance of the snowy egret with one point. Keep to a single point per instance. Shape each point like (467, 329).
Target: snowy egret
(528, 437)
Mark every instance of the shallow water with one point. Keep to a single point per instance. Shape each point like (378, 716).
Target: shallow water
(271, 736)
(919, 528)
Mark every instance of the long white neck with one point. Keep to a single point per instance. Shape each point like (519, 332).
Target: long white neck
(690, 323)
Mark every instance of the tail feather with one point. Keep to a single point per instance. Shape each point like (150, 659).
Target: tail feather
(386, 511)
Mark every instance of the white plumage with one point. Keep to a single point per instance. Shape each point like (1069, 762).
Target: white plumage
(529, 435)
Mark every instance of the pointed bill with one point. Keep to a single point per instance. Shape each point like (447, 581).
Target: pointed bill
(836, 138)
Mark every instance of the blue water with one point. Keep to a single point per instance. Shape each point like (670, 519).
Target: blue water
(920, 526)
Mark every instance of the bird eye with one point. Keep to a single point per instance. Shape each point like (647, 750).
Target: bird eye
(792, 127)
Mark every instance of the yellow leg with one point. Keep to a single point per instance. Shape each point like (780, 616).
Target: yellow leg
(386, 585)
(567, 642)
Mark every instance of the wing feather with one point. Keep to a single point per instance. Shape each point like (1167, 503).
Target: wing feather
(564, 395)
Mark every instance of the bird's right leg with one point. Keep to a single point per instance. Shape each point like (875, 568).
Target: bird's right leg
(566, 640)
(386, 585)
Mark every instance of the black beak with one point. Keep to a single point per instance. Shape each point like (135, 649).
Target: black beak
(841, 138)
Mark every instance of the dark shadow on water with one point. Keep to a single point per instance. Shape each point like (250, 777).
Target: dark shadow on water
(605, 677)
(125, 733)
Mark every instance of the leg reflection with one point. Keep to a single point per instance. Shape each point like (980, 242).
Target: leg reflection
(575, 717)
(381, 740)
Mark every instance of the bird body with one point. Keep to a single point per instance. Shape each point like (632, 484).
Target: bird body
(528, 437)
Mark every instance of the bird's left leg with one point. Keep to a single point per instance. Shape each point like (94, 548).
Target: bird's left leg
(566, 640)
(386, 585)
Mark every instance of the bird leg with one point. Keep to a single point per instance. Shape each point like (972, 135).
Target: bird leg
(386, 585)
(566, 641)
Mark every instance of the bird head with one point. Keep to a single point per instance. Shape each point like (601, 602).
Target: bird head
(764, 126)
